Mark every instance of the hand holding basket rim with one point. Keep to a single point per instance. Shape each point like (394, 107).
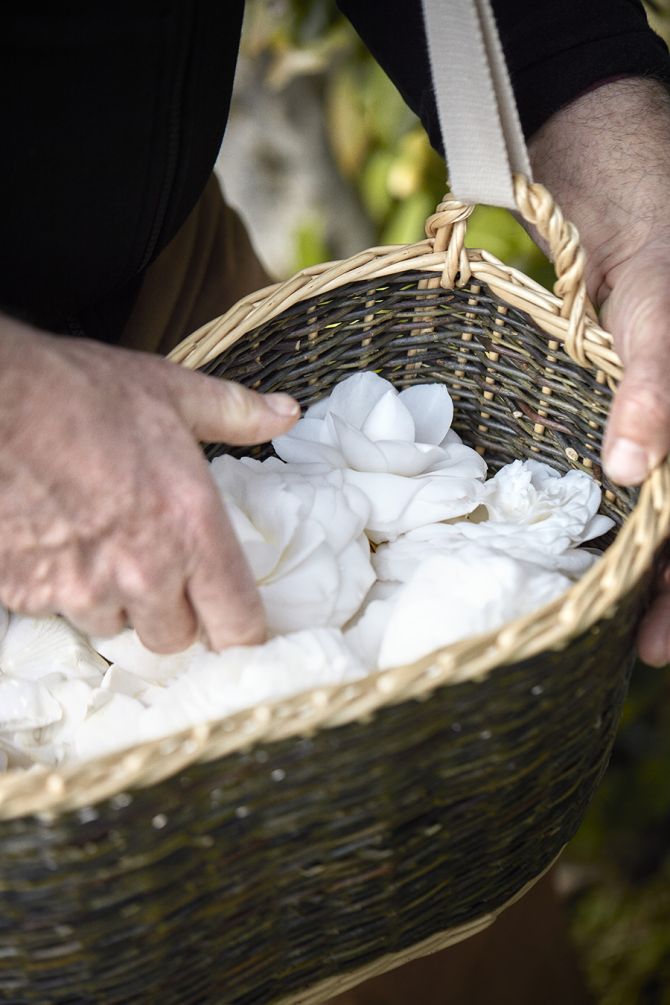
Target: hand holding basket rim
(476, 555)
(604, 158)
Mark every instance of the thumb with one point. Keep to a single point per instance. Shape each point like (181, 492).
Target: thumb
(637, 313)
(223, 411)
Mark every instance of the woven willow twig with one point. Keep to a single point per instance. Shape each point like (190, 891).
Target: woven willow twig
(447, 228)
(562, 316)
(332, 986)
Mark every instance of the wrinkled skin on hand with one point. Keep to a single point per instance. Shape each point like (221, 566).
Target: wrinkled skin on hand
(108, 512)
(606, 160)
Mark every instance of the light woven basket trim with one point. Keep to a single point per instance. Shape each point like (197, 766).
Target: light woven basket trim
(333, 986)
(565, 319)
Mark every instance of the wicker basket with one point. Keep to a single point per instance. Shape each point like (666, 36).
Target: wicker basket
(293, 850)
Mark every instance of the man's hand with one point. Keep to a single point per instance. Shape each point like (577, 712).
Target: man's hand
(606, 160)
(108, 513)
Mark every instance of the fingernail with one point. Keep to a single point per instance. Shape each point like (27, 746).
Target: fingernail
(656, 649)
(657, 659)
(627, 463)
(282, 404)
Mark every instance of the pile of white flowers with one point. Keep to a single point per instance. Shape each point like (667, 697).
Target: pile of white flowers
(374, 539)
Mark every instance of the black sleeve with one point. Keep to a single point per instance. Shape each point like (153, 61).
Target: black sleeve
(555, 50)
(112, 116)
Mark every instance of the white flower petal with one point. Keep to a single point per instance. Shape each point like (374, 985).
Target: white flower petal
(262, 510)
(432, 409)
(297, 531)
(262, 554)
(354, 398)
(340, 509)
(308, 540)
(54, 743)
(308, 452)
(400, 504)
(451, 597)
(122, 681)
(26, 705)
(34, 647)
(224, 683)
(366, 634)
(596, 527)
(319, 409)
(460, 461)
(399, 559)
(359, 452)
(13, 756)
(357, 576)
(305, 596)
(409, 459)
(451, 437)
(113, 726)
(311, 441)
(556, 511)
(389, 419)
(126, 650)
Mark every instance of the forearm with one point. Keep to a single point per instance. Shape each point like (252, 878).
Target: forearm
(605, 158)
(555, 50)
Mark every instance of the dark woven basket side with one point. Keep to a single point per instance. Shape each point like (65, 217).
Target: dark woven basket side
(241, 881)
(493, 359)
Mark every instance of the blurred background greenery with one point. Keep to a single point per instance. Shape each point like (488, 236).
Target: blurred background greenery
(323, 159)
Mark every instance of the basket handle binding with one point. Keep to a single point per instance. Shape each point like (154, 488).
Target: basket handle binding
(487, 155)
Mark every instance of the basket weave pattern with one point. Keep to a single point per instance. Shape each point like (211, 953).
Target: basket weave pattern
(255, 877)
(290, 850)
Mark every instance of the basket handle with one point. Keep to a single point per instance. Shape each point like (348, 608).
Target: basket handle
(479, 121)
(487, 155)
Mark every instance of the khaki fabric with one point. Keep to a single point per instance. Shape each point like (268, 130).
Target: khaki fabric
(206, 268)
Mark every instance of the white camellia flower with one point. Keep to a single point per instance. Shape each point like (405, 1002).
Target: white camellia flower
(450, 597)
(556, 511)
(529, 511)
(396, 447)
(303, 539)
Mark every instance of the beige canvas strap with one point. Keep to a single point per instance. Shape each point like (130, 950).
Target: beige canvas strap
(480, 124)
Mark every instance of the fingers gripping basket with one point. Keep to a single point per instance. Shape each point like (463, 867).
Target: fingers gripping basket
(297, 848)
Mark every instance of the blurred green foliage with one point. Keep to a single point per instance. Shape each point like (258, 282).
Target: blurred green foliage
(621, 912)
(620, 907)
(378, 144)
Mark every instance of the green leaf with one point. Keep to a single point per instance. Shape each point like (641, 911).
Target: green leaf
(407, 221)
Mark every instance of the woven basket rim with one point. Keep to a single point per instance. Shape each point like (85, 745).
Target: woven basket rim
(47, 791)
